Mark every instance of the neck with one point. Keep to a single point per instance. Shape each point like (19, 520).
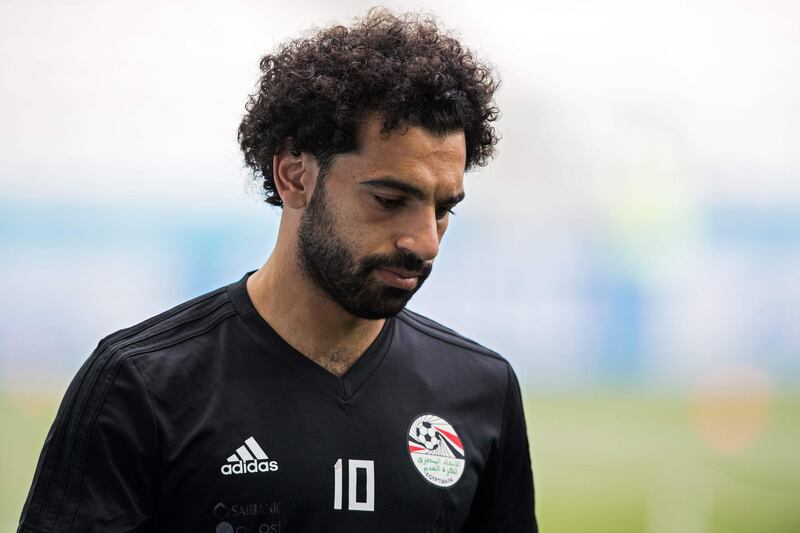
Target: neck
(306, 318)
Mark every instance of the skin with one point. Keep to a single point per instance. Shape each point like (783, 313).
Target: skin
(371, 217)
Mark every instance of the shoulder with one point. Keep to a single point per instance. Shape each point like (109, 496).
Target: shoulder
(430, 328)
(166, 332)
(173, 326)
(451, 345)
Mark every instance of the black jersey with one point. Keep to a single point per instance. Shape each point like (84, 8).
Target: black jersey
(202, 418)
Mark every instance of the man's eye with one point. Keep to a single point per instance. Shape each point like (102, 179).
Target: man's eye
(388, 203)
(440, 213)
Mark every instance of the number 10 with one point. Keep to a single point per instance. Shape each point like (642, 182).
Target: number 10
(352, 481)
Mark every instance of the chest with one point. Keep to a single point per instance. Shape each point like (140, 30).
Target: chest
(295, 459)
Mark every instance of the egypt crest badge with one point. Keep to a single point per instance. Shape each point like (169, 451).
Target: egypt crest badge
(436, 450)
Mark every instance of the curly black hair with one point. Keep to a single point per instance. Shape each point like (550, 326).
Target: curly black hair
(314, 92)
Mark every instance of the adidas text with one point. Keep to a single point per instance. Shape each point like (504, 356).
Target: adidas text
(249, 467)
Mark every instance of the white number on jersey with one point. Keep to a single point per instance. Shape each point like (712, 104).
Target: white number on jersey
(353, 465)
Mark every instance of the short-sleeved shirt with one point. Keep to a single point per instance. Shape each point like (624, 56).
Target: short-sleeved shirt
(203, 418)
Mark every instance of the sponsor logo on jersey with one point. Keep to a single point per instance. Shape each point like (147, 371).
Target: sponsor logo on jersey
(436, 450)
(249, 459)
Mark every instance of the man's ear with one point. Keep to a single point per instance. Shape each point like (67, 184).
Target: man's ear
(295, 175)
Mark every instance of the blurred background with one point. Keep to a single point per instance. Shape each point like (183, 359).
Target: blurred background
(633, 249)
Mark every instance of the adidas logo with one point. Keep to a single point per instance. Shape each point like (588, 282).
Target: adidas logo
(249, 459)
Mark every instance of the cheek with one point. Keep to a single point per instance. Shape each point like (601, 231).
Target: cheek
(364, 237)
(349, 221)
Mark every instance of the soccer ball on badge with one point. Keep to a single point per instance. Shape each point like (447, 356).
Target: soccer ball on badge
(426, 434)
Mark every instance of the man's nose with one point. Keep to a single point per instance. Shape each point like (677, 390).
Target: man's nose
(421, 236)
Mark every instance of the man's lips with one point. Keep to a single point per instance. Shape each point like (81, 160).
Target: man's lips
(397, 277)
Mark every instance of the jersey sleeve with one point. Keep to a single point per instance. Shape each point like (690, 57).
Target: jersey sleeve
(97, 469)
(504, 501)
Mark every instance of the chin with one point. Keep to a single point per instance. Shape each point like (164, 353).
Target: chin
(377, 313)
(390, 305)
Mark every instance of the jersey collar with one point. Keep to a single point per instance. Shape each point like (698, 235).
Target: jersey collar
(344, 387)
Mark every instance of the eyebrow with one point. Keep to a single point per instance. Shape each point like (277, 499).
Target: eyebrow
(416, 192)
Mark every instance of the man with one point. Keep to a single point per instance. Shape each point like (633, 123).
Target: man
(305, 397)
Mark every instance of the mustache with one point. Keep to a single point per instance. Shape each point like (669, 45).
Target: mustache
(405, 261)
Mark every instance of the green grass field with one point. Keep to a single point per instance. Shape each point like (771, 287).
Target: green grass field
(614, 462)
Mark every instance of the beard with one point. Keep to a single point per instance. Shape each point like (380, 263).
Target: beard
(329, 263)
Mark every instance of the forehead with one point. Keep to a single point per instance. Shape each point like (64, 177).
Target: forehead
(430, 162)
